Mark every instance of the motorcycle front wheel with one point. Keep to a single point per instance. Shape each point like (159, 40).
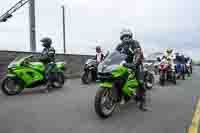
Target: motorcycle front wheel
(11, 86)
(162, 79)
(174, 77)
(149, 80)
(183, 76)
(85, 77)
(104, 103)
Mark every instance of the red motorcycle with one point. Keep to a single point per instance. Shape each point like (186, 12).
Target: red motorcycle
(166, 73)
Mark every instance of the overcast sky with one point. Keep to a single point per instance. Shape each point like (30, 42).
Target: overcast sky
(157, 24)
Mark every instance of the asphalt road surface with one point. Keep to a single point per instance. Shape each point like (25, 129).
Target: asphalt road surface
(71, 110)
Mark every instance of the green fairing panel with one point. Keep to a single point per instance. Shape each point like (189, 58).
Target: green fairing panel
(106, 84)
(29, 75)
(60, 65)
(120, 71)
(38, 65)
(130, 87)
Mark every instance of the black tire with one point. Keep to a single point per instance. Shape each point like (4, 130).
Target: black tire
(97, 103)
(59, 81)
(151, 80)
(174, 80)
(94, 75)
(162, 82)
(162, 79)
(174, 77)
(9, 92)
(189, 71)
(84, 78)
(183, 76)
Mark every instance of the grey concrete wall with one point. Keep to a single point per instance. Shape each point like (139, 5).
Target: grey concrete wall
(74, 63)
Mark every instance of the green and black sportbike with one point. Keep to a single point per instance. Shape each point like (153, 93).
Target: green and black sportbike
(115, 80)
(28, 72)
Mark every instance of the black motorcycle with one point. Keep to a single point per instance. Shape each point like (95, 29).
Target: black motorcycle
(90, 71)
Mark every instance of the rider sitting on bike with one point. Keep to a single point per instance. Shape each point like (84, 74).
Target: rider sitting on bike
(128, 46)
(169, 58)
(48, 58)
(99, 55)
(178, 61)
(188, 62)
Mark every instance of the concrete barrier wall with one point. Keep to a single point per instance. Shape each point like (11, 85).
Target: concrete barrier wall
(74, 63)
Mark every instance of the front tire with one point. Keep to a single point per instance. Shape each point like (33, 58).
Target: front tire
(7, 89)
(174, 80)
(101, 110)
(183, 76)
(149, 81)
(85, 78)
(174, 77)
(162, 79)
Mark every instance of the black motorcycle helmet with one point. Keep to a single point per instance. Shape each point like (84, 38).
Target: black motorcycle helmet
(46, 42)
(126, 35)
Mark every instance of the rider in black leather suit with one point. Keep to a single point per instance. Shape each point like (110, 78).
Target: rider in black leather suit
(135, 58)
(48, 58)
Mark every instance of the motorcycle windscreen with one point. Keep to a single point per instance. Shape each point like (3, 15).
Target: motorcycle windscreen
(17, 61)
(112, 59)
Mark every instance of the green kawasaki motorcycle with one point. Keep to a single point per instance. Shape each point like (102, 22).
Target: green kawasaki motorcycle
(28, 72)
(113, 76)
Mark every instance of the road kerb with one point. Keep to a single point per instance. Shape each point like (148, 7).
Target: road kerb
(194, 127)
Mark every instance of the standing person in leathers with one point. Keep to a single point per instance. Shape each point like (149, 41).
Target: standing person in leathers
(48, 58)
(135, 57)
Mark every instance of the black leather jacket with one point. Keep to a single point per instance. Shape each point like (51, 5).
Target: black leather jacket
(132, 50)
(48, 55)
(180, 60)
